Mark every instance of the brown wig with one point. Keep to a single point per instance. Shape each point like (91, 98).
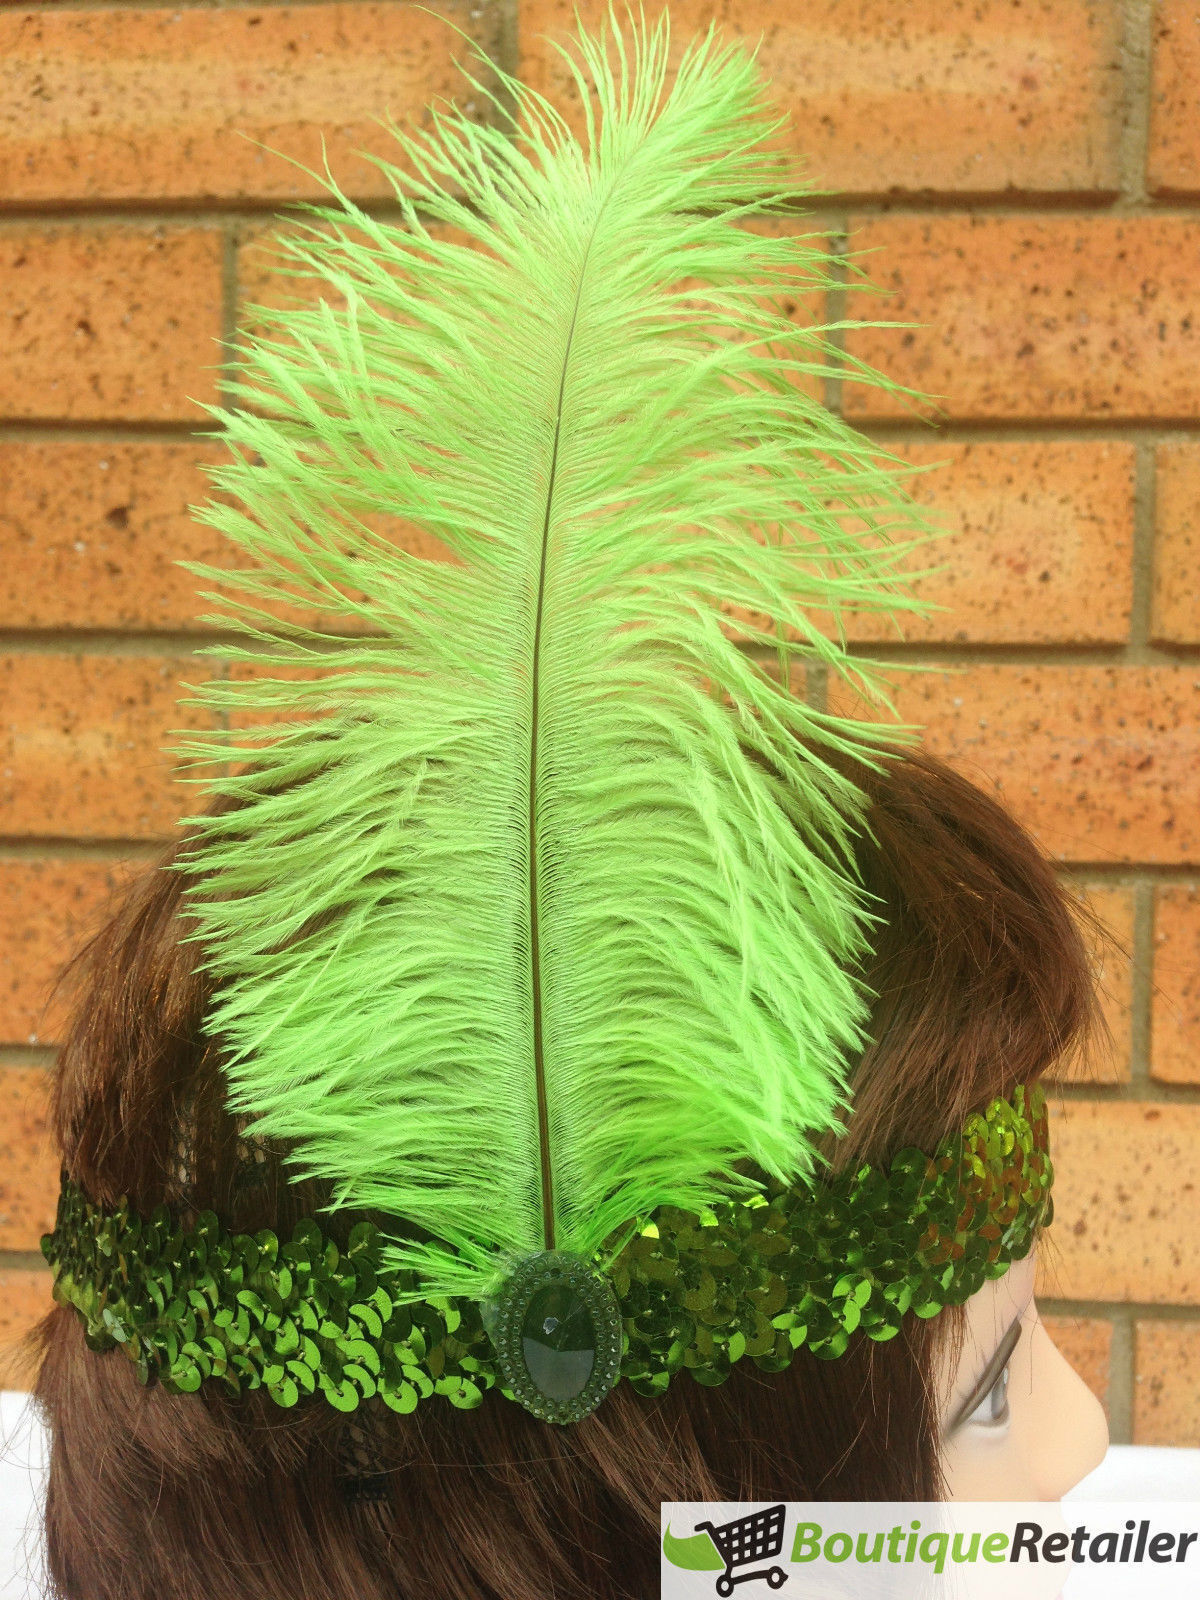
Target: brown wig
(982, 980)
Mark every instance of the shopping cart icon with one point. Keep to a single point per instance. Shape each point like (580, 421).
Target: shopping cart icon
(752, 1538)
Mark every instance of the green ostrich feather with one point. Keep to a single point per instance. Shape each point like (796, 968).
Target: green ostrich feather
(538, 910)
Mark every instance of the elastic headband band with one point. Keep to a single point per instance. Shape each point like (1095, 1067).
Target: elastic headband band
(789, 1267)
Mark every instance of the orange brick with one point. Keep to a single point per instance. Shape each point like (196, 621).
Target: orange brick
(1166, 1400)
(1126, 1203)
(25, 1298)
(1173, 159)
(92, 531)
(29, 1163)
(82, 744)
(1175, 1010)
(1111, 949)
(1101, 763)
(1176, 605)
(47, 908)
(109, 322)
(1040, 549)
(118, 103)
(977, 97)
(1029, 316)
(1086, 1342)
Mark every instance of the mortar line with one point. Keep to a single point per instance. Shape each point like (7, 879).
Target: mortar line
(1024, 653)
(1028, 428)
(50, 7)
(1126, 874)
(899, 430)
(1109, 1310)
(1141, 598)
(1142, 989)
(1130, 1092)
(23, 1261)
(1121, 1366)
(27, 1055)
(930, 654)
(835, 311)
(184, 212)
(229, 304)
(509, 47)
(1079, 874)
(115, 642)
(114, 852)
(1136, 50)
(203, 211)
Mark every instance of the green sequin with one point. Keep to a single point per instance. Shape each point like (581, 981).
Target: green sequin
(759, 1278)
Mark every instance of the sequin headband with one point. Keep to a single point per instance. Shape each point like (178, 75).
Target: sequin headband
(533, 909)
(790, 1267)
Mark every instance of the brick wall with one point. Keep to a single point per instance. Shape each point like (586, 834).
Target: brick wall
(1027, 173)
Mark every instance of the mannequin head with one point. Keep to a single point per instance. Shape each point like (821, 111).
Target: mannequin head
(997, 1386)
(981, 981)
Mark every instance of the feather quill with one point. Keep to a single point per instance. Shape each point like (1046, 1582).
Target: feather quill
(537, 911)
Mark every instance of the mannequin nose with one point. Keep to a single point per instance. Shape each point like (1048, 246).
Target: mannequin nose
(1076, 1441)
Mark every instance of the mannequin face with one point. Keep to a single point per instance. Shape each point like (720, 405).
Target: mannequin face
(1018, 1423)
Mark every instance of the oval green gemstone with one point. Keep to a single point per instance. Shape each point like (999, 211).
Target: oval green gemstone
(558, 1341)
